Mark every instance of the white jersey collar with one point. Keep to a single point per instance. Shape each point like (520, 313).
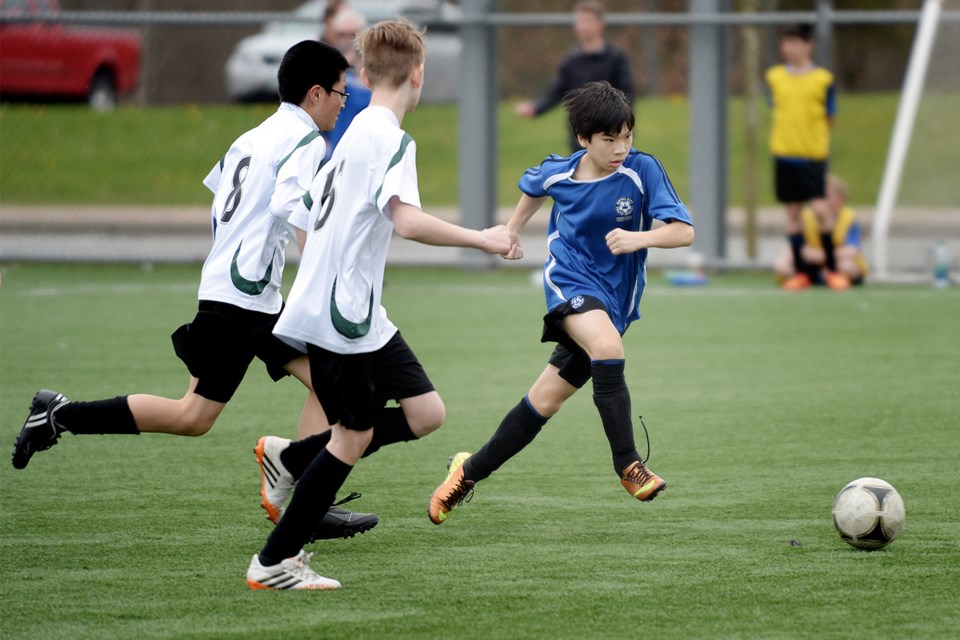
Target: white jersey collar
(386, 111)
(300, 113)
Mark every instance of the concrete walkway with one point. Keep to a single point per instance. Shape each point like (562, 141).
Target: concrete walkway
(182, 234)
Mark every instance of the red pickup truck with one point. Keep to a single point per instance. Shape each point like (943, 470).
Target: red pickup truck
(44, 60)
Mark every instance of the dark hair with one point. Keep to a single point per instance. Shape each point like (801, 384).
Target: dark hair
(598, 107)
(307, 64)
(803, 31)
(591, 6)
(332, 8)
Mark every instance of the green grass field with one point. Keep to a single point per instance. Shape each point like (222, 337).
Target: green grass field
(760, 404)
(159, 155)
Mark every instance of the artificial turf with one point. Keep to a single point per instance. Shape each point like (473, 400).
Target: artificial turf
(761, 405)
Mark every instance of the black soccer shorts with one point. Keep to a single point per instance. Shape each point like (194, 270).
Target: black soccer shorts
(800, 180)
(222, 341)
(569, 357)
(353, 388)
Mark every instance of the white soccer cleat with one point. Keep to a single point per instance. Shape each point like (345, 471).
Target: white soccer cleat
(292, 573)
(276, 483)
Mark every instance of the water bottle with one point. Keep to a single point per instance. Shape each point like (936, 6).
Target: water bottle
(941, 266)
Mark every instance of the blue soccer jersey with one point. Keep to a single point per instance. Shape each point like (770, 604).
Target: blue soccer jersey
(584, 212)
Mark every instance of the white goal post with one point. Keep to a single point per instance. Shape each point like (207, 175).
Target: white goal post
(902, 131)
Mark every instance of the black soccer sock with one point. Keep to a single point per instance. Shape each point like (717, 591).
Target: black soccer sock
(312, 498)
(830, 256)
(298, 456)
(97, 417)
(796, 249)
(612, 398)
(518, 429)
(391, 427)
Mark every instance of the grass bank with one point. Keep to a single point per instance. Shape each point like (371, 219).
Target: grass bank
(159, 155)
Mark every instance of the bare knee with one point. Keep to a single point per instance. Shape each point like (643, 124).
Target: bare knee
(549, 392)
(360, 439)
(425, 414)
(607, 348)
(432, 418)
(348, 445)
(193, 426)
(193, 420)
(546, 402)
(191, 415)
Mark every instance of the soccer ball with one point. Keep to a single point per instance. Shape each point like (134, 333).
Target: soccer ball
(868, 513)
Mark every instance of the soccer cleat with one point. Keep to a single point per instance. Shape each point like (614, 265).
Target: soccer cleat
(642, 483)
(276, 483)
(797, 283)
(292, 573)
(453, 492)
(836, 281)
(340, 523)
(40, 430)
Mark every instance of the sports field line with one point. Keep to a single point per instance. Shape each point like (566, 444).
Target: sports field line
(723, 291)
(658, 290)
(110, 289)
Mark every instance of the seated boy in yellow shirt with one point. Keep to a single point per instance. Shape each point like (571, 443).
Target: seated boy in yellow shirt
(846, 238)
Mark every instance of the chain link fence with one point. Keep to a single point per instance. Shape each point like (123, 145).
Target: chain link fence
(185, 51)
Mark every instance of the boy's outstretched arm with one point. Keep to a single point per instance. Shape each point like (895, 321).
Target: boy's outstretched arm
(669, 236)
(525, 209)
(411, 223)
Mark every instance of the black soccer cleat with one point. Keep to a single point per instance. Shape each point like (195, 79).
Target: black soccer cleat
(40, 431)
(340, 523)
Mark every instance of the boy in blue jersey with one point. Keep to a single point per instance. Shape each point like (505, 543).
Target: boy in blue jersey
(606, 198)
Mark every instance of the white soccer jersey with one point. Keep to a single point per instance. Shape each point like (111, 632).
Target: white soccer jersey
(256, 186)
(335, 299)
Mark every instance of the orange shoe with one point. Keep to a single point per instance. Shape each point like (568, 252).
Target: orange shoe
(797, 283)
(836, 281)
(454, 490)
(642, 483)
(276, 483)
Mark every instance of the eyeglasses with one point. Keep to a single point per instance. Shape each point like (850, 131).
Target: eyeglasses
(343, 96)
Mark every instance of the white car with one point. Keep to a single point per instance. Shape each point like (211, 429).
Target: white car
(251, 70)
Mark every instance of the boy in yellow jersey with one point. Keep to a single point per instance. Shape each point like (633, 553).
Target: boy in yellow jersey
(804, 103)
(846, 239)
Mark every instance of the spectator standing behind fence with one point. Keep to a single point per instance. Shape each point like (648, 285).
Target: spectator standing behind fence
(804, 103)
(847, 239)
(593, 59)
(330, 11)
(343, 35)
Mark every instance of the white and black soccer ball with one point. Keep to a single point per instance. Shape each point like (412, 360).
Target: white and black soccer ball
(868, 513)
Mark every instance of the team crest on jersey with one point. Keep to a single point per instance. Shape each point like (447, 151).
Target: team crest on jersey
(576, 302)
(624, 209)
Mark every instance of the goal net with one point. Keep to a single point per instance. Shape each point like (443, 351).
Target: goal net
(918, 207)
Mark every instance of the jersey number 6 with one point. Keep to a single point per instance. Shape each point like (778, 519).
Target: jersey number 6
(329, 197)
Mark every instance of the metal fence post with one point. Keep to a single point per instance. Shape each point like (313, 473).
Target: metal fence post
(478, 124)
(825, 33)
(708, 130)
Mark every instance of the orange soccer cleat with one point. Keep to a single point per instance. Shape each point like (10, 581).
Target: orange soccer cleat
(797, 283)
(836, 281)
(454, 490)
(642, 483)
